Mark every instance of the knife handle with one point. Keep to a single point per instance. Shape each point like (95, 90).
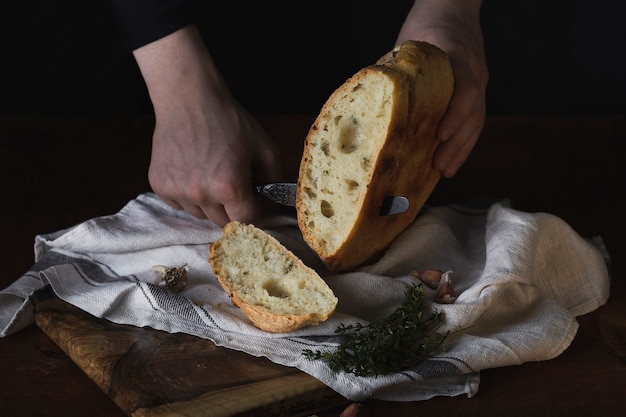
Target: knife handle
(279, 192)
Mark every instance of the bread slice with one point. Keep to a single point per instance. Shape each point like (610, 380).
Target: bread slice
(270, 284)
(374, 137)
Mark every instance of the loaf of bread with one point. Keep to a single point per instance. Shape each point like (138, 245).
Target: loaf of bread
(374, 137)
(270, 284)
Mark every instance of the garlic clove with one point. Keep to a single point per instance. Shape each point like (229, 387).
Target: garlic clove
(175, 279)
(445, 293)
(431, 278)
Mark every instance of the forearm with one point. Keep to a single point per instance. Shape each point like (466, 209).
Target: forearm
(178, 68)
(427, 18)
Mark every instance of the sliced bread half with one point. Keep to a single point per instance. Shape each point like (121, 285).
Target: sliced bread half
(270, 284)
(374, 137)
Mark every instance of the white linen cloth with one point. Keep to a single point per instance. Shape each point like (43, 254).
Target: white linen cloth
(521, 280)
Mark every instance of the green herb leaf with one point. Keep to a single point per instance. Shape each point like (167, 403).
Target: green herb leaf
(395, 344)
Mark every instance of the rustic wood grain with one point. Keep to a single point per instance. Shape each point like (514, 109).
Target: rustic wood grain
(153, 373)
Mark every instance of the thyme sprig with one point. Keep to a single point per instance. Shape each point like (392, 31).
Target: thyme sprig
(395, 344)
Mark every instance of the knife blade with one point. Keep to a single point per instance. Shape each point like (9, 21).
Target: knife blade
(285, 193)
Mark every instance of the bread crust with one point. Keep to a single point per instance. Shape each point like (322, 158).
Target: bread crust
(277, 323)
(403, 165)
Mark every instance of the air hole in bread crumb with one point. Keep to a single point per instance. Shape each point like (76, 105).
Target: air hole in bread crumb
(325, 148)
(288, 267)
(352, 185)
(275, 289)
(310, 193)
(348, 136)
(366, 164)
(382, 110)
(327, 209)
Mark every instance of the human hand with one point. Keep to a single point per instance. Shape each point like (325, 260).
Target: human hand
(204, 163)
(206, 147)
(454, 26)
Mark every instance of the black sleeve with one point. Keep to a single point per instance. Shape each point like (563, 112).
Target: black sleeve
(143, 21)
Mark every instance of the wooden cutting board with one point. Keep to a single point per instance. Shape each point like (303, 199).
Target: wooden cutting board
(147, 372)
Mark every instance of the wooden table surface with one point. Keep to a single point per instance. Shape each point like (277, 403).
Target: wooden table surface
(60, 172)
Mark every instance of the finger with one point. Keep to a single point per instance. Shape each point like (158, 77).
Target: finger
(452, 154)
(214, 212)
(244, 207)
(171, 203)
(193, 209)
(267, 163)
(459, 129)
(465, 101)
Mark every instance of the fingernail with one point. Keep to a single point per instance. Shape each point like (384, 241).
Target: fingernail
(442, 164)
(450, 171)
(444, 135)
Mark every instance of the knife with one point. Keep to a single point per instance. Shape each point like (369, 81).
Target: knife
(285, 193)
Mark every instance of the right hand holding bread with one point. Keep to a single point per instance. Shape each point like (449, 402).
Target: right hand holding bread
(454, 27)
(374, 137)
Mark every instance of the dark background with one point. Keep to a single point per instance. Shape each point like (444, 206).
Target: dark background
(72, 149)
(558, 57)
